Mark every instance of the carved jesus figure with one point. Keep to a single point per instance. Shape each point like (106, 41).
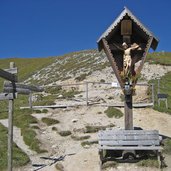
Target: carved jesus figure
(127, 60)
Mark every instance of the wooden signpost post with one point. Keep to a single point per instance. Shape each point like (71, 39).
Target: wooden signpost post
(10, 91)
(10, 96)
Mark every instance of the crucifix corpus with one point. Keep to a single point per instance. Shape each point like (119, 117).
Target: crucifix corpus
(126, 43)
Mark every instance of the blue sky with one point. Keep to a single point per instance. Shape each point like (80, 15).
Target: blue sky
(41, 28)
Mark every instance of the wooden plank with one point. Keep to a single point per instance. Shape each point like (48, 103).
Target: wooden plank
(23, 86)
(127, 143)
(18, 90)
(43, 107)
(6, 96)
(131, 148)
(12, 70)
(128, 137)
(8, 76)
(128, 132)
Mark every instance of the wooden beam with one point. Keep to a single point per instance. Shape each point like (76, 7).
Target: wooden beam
(12, 70)
(18, 90)
(6, 96)
(23, 86)
(8, 76)
(112, 61)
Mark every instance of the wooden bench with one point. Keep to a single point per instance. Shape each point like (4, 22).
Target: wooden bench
(129, 140)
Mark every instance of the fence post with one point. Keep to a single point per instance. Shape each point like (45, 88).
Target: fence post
(152, 87)
(10, 127)
(30, 100)
(87, 93)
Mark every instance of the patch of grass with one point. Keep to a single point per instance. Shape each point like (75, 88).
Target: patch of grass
(81, 77)
(88, 143)
(165, 88)
(45, 100)
(113, 112)
(59, 167)
(110, 164)
(50, 121)
(79, 138)
(23, 119)
(54, 129)
(54, 90)
(45, 111)
(167, 146)
(35, 127)
(38, 111)
(93, 129)
(149, 163)
(69, 94)
(64, 133)
(162, 58)
(19, 157)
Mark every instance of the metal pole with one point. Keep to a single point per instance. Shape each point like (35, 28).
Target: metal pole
(10, 129)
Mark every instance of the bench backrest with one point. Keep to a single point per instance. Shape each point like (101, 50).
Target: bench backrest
(129, 138)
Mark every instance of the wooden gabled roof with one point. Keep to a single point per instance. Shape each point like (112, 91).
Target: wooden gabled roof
(139, 27)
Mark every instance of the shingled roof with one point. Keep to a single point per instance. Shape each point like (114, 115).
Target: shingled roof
(140, 28)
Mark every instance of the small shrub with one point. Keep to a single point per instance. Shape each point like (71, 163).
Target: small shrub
(113, 112)
(93, 129)
(54, 90)
(109, 164)
(38, 111)
(84, 143)
(99, 112)
(54, 129)
(81, 77)
(102, 81)
(44, 111)
(35, 127)
(59, 167)
(64, 133)
(148, 163)
(167, 146)
(77, 138)
(50, 121)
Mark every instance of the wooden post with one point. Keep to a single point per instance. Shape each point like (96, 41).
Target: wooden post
(87, 93)
(152, 89)
(10, 128)
(128, 112)
(30, 100)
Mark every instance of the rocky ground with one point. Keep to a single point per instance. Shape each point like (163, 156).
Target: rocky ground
(75, 119)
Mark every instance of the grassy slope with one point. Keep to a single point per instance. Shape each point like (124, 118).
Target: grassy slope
(26, 67)
(165, 81)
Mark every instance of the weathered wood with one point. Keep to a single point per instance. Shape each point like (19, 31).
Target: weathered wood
(123, 139)
(10, 124)
(128, 137)
(129, 132)
(18, 90)
(128, 112)
(12, 70)
(130, 147)
(8, 76)
(6, 96)
(112, 61)
(23, 86)
(129, 142)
